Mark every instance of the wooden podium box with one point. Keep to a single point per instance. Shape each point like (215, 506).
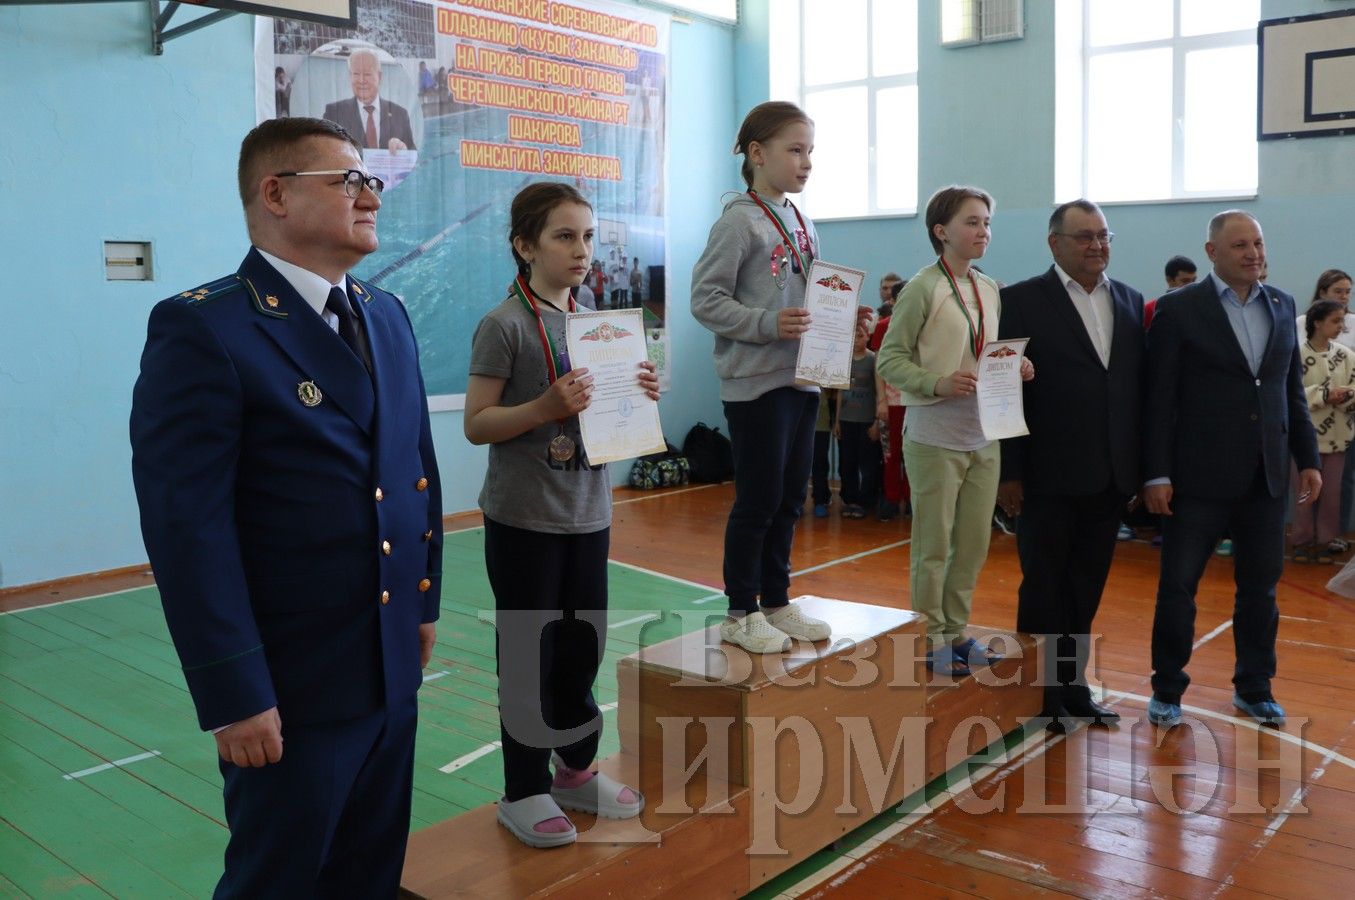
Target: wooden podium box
(749, 764)
(814, 734)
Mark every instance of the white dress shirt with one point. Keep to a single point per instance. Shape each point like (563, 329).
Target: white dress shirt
(312, 288)
(1096, 309)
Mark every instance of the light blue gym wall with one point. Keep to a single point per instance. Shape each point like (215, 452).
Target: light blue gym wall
(986, 117)
(106, 141)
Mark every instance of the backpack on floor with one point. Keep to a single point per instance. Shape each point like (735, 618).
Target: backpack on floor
(667, 469)
(709, 453)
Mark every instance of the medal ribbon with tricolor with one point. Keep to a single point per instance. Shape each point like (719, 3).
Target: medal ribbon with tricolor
(977, 336)
(781, 229)
(523, 292)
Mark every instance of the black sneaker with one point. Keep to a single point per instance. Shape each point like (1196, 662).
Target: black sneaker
(1002, 521)
(887, 511)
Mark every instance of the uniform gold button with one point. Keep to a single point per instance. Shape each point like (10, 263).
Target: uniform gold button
(425, 584)
(421, 484)
(379, 495)
(386, 547)
(428, 535)
(385, 597)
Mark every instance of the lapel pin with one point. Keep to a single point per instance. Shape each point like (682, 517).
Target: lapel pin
(271, 301)
(357, 288)
(309, 394)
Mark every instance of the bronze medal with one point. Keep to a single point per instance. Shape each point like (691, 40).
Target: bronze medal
(561, 448)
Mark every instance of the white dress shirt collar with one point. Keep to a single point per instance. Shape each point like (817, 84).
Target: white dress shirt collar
(313, 288)
(1068, 281)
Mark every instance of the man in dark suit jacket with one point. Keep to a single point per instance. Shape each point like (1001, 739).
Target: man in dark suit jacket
(1069, 479)
(291, 509)
(377, 124)
(1225, 410)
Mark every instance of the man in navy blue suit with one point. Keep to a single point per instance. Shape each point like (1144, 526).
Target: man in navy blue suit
(291, 509)
(1068, 481)
(1225, 410)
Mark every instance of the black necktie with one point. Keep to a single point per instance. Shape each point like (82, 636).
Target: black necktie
(348, 328)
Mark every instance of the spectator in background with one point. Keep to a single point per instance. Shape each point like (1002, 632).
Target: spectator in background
(1328, 377)
(890, 410)
(858, 432)
(1334, 284)
(1180, 271)
(426, 83)
(637, 282)
(282, 92)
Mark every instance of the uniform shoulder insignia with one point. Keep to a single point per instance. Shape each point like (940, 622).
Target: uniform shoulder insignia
(209, 291)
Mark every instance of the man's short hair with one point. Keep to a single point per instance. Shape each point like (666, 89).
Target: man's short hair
(1056, 218)
(272, 146)
(1217, 223)
(1178, 264)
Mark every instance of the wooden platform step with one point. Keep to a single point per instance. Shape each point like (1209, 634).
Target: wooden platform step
(749, 764)
(697, 850)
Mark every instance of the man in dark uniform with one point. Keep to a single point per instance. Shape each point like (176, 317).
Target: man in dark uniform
(291, 509)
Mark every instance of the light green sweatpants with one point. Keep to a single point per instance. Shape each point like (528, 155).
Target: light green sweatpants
(953, 495)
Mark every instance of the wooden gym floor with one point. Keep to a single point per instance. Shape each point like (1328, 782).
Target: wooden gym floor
(106, 788)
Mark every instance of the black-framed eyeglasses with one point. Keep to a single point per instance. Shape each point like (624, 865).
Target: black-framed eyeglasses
(1085, 238)
(353, 180)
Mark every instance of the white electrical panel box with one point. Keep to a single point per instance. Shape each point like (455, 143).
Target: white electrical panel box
(127, 260)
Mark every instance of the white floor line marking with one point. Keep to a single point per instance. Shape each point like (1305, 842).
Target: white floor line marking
(1331, 647)
(115, 764)
(1278, 822)
(697, 487)
(854, 556)
(462, 761)
(1238, 720)
(709, 598)
(1020, 755)
(10, 612)
(1039, 743)
(647, 617)
(1211, 635)
(435, 676)
(664, 575)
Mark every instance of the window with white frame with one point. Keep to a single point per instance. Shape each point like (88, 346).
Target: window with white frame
(852, 66)
(1155, 99)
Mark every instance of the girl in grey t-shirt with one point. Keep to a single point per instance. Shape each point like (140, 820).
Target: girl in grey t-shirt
(547, 526)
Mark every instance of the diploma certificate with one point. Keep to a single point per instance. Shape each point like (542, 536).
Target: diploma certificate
(1001, 408)
(826, 348)
(620, 421)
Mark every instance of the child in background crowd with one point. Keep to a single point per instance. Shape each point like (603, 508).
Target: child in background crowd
(823, 438)
(858, 433)
(1329, 383)
(889, 409)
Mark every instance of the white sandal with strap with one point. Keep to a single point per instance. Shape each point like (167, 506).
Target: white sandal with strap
(521, 816)
(598, 795)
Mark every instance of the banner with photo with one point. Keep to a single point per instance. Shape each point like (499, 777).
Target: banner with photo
(460, 104)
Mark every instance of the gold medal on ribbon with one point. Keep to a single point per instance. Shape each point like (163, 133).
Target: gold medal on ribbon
(309, 394)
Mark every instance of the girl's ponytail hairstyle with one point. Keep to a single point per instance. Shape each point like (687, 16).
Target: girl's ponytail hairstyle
(763, 123)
